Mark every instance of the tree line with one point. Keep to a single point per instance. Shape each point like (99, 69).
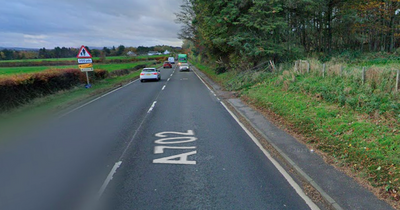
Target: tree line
(254, 30)
(63, 52)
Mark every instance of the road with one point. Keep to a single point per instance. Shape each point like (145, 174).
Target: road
(155, 145)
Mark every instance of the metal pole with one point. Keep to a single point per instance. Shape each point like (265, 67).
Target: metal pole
(308, 67)
(87, 78)
(323, 70)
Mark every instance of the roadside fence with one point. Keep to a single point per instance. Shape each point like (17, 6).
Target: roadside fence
(365, 76)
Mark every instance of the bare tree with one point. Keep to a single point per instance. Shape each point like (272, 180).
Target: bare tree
(186, 17)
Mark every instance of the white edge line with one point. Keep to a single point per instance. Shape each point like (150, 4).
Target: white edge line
(285, 174)
(69, 112)
(109, 178)
(152, 107)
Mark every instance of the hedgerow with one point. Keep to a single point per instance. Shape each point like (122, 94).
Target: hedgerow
(20, 89)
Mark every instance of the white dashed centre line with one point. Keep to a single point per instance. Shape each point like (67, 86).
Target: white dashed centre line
(163, 87)
(152, 107)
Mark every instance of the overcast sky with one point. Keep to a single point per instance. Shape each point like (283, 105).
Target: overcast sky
(96, 23)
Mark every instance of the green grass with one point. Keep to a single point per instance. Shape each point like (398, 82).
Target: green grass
(75, 59)
(30, 69)
(118, 66)
(354, 138)
(33, 69)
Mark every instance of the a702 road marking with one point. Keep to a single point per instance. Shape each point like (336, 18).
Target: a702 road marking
(165, 142)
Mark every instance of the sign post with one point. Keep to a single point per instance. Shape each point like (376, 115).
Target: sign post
(85, 63)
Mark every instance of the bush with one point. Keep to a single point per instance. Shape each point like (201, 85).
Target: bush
(220, 70)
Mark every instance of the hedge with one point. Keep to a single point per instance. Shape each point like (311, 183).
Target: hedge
(21, 89)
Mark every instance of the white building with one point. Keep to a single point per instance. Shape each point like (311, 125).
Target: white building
(131, 54)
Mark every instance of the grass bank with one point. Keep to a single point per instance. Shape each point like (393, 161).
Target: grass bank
(355, 126)
(4, 71)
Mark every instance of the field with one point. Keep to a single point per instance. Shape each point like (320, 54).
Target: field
(21, 84)
(75, 59)
(4, 71)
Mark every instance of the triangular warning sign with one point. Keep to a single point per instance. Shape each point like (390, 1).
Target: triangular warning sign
(83, 53)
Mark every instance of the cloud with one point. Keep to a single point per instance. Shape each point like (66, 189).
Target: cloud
(49, 23)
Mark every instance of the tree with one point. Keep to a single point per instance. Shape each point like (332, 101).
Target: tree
(120, 50)
(106, 51)
(186, 17)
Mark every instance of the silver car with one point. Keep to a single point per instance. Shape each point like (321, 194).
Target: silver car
(150, 74)
(184, 67)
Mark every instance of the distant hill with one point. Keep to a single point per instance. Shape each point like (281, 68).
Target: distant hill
(19, 48)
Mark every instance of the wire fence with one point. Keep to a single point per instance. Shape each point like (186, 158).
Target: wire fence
(372, 76)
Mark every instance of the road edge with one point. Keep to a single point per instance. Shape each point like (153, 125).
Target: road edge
(328, 200)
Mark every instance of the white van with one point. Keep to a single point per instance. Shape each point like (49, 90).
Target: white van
(171, 60)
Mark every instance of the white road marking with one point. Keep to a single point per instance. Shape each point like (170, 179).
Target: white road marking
(171, 74)
(168, 79)
(109, 178)
(163, 134)
(160, 149)
(152, 107)
(69, 112)
(182, 159)
(285, 174)
(163, 87)
(184, 139)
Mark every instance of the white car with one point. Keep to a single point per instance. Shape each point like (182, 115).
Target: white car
(150, 74)
(184, 67)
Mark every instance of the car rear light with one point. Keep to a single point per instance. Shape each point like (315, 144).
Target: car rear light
(155, 73)
(141, 73)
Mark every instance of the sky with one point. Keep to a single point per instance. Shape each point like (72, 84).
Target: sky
(95, 23)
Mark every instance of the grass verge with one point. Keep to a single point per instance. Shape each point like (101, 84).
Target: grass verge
(361, 144)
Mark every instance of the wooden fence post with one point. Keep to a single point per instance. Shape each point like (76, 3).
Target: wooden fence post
(397, 80)
(341, 70)
(308, 67)
(323, 70)
(363, 75)
(300, 67)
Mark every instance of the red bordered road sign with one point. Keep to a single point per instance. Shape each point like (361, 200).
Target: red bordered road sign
(83, 53)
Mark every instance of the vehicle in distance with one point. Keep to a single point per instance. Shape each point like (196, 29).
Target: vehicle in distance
(171, 60)
(167, 65)
(182, 58)
(184, 67)
(150, 74)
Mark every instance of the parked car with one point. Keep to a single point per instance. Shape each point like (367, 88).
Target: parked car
(150, 74)
(167, 65)
(184, 67)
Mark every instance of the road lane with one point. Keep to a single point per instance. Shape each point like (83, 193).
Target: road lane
(191, 154)
(64, 159)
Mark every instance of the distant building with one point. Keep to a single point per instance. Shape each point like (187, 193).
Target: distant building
(153, 53)
(131, 54)
(166, 52)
